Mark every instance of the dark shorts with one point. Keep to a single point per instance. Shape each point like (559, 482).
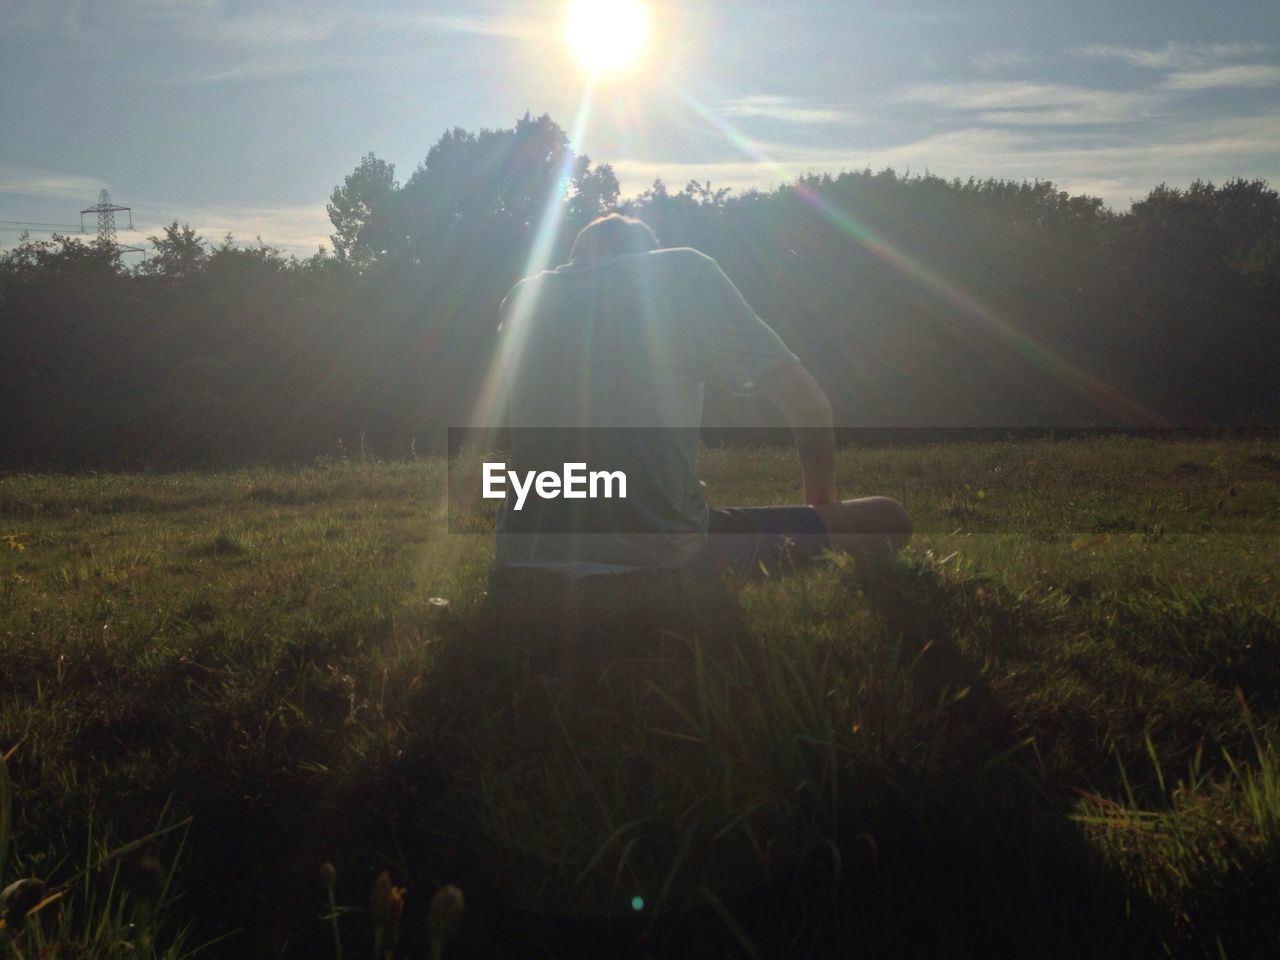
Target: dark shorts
(754, 540)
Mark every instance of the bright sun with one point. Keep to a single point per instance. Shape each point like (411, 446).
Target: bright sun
(607, 35)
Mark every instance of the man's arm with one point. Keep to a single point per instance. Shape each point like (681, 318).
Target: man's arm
(808, 411)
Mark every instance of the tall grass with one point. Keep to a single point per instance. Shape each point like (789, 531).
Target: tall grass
(119, 904)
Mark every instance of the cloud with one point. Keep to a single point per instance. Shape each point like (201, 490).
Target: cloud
(996, 60)
(1241, 75)
(1033, 104)
(44, 17)
(781, 108)
(509, 26)
(788, 161)
(268, 69)
(638, 175)
(1172, 55)
(174, 7)
(1102, 112)
(1119, 170)
(274, 28)
(296, 230)
(287, 25)
(50, 185)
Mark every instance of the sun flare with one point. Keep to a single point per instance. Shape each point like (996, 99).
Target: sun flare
(607, 36)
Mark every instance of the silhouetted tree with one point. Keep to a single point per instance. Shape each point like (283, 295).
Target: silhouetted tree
(352, 206)
(916, 300)
(178, 255)
(595, 191)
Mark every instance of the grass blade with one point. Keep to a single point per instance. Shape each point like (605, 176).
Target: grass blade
(727, 918)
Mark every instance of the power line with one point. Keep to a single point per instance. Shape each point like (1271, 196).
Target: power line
(104, 208)
(24, 224)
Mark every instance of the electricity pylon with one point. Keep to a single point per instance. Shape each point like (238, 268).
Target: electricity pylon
(106, 211)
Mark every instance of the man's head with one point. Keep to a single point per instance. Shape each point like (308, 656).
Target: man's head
(613, 234)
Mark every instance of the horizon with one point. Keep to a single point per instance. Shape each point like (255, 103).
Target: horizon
(242, 118)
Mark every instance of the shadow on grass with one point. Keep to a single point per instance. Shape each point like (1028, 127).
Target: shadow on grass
(881, 798)
(1071, 892)
(924, 613)
(927, 828)
(988, 860)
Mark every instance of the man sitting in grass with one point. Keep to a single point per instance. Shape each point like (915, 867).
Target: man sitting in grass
(604, 360)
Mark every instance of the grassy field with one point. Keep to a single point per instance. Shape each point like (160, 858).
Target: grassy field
(1049, 728)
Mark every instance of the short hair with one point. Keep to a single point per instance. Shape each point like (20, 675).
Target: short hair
(612, 234)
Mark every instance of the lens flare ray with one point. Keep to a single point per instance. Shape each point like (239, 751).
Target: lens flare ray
(1043, 357)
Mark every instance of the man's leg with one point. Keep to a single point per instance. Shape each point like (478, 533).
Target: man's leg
(744, 539)
(868, 526)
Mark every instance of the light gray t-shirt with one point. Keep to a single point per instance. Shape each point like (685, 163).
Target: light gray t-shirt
(623, 344)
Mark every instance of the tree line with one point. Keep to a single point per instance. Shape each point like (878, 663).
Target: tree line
(917, 301)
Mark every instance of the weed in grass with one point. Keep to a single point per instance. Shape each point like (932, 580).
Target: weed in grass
(1206, 852)
(444, 917)
(118, 905)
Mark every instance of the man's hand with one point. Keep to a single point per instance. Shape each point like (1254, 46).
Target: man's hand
(808, 412)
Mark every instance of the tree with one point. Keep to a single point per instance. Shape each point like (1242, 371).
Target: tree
(594, 192)
(179, 254)
(352, 206)
(484, 189)
(705, 196)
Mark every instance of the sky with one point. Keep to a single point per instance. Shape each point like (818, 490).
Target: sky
(242, 117)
